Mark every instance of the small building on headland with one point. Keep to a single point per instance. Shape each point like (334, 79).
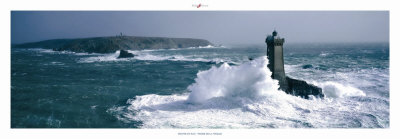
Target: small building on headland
(277, 67)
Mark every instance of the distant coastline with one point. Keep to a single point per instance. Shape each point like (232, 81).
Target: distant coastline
(115, 43)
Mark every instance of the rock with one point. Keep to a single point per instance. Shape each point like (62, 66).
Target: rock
(307, 66)
(302, 89)
(125, 54)
(112, 44)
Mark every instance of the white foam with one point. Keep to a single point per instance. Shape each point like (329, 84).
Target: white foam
(148, 56)
(139, 55)
(154, 57)
(157, 111)
(41, 50)
(208, 46)
(250, 79)
(324, 54)
(245, 96)
(280, 111)
(337, 90)
(102, 58)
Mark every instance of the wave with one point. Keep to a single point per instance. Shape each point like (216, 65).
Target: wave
(140, 55)
(208, 46)
(146, 55)
(337, 90)
(325, 54)
(199, 47)
(359, 81)
(41, 50)
(103, 58)
(245, 96)
(251, 79)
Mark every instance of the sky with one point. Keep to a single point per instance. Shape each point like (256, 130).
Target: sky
(219, 27)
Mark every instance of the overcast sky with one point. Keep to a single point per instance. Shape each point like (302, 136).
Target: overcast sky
(221, 27)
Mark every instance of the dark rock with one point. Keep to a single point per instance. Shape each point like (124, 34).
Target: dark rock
(125, 54)
(302, 89)
(210, 63)
(307, 66)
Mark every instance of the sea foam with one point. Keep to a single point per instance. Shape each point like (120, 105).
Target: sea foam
(146, 55)
(220, 97)
(336, 90)
(251, 80)
(245, 96)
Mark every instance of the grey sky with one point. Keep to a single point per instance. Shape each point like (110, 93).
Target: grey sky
(226, 27)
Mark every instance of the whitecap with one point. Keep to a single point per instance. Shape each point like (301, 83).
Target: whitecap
(324, 54)
(337, 90)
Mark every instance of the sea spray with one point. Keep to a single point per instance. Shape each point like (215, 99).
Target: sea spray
(241, 96)
(245, 96)
(337, 90)
(249, 80)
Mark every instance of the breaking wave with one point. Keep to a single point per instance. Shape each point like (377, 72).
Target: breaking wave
(336, 90)
(41, 50)
(250, 80)
(146, 55)
(245, 96)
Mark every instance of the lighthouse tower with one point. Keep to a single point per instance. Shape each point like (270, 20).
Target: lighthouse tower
(275, 58)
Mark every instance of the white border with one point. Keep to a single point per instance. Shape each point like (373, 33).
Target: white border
(185, 5)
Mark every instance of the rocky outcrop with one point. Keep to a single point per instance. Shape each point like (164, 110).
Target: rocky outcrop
(113, 44)
(307, 66)
(125, 54)
(302, 88)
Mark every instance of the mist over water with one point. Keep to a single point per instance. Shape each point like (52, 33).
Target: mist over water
(201, 88)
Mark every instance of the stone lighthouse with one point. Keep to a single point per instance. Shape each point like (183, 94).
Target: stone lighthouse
(276, 65)
(275, 58)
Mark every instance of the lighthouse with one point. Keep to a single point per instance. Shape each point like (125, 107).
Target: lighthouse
(275, 58)
(287, 84)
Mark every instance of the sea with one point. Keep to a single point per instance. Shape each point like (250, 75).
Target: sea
(207, 87)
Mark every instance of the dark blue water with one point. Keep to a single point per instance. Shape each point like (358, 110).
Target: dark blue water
(74, 90)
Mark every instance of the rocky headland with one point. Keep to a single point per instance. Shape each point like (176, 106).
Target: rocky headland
(113, 44)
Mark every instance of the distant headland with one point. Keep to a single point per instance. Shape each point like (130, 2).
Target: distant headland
(115, 43)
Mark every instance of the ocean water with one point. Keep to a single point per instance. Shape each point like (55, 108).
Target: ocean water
(207, 87)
